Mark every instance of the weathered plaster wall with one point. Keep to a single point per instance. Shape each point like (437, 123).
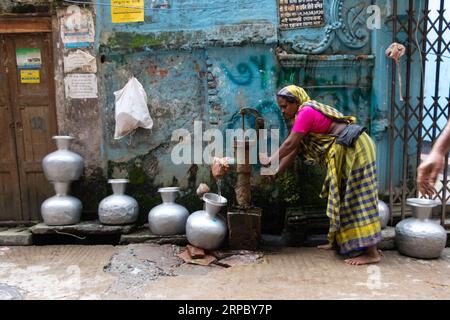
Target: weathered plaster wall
(77, 117)
(80, 118)
(189, 24)
(175, 85)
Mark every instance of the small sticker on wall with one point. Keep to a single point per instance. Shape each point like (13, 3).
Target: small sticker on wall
(30, 76)
(124, 11)
(28, 58)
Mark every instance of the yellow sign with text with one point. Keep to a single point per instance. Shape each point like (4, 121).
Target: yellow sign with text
(124, 11)
(30, 76)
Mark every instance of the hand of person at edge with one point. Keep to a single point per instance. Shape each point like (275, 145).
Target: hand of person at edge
(427, 173)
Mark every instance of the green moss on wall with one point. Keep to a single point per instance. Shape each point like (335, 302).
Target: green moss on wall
(139, 41)
(91, 190)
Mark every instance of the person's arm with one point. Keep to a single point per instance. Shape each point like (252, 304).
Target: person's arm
(301, 127)
(428, 171)
(284, 163)
(287, 161)
(290, 145)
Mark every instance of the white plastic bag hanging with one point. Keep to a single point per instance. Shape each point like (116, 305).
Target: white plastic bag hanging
(131, 109)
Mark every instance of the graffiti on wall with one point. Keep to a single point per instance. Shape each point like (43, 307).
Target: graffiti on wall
(246, 72)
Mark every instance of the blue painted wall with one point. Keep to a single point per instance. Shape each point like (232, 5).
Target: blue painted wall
(195, 15)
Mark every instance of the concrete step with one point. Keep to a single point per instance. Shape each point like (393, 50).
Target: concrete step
(143, 235)
(20, 236)
(83, 228)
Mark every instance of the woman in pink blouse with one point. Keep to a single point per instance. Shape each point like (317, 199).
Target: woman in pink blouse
(323, 134)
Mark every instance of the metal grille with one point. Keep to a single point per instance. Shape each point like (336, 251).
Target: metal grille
(416, 122)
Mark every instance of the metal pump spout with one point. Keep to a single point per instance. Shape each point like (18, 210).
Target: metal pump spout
(259, 120)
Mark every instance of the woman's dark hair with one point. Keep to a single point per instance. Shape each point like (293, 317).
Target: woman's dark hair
(290, 99)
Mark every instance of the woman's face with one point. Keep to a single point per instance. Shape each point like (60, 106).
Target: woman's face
(288, 109)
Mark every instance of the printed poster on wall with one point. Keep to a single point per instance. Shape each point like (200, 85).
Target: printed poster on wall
(296, 14)
(80, 61)
(28, 58)
(30, 76)
(124, 11)
(81, 86)
(77, 27)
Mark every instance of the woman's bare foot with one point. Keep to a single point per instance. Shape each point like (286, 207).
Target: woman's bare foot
(325, 246)
(372, 255)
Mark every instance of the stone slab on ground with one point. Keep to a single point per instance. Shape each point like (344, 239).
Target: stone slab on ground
(16, 237)
(387, 239)
(143, 235)
(82, 228)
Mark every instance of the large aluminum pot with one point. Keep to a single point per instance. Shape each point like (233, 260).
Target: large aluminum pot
(384, 212)
(61, 209)
(63, 165)
(204, 228)
(420, 237)
(118, 208)
(168, 218)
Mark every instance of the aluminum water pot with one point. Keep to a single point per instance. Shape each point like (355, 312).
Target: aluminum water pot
(205, 228)
(62, 165)
(420, 237)
(118, 208)
(61, 209)
(384, 212)
(168, 218)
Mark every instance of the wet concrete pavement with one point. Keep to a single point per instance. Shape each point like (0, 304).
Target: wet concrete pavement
(149, 271)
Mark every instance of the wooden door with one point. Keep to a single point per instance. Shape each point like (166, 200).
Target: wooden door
(29, 113)
(10, 203)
